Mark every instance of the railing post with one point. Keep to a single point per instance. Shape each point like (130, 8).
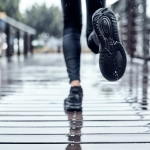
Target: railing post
(123, 26)
(131, 25)
(145, 49)
(7, 31)
(25, 44)
(18, 37)
(9, 41)
(127, 25)
(31, 46)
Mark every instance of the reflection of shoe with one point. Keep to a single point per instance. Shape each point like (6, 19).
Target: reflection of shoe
(112, 55)
(74, 146)
(74, 100)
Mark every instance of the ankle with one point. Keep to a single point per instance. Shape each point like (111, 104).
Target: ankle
(75, 83)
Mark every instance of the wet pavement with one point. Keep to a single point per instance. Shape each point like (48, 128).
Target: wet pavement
(116, 115)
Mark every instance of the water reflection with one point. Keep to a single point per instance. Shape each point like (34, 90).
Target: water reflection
(144, 102)
(138, 79)
(133, 80)
(75, 119)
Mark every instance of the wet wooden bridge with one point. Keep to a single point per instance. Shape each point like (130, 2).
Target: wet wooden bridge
(115, 115)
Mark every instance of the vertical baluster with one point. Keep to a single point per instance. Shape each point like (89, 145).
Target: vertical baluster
(25, 44)
(7, 32)
(145, 50)
(18, 37)
(31, 46)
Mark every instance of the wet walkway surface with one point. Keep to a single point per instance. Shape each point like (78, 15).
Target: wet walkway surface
(115, 115)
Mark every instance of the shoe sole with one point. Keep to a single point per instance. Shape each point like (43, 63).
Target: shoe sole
(112, 60)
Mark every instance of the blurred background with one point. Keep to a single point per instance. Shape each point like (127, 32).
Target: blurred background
(27, 26)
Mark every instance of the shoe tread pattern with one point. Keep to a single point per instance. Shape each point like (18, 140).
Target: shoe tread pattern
(112, 55)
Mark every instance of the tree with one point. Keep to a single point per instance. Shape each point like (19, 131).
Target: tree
(11, 7)
(45, 20)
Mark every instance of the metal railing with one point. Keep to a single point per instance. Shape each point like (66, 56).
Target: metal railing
(134, 27)
(14, 29)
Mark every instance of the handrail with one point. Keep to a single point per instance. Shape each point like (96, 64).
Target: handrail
(17, 24)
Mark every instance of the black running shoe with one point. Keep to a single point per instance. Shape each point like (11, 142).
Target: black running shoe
(74, 100)
(112, 54)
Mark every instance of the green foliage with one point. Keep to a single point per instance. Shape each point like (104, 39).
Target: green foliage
(11, 7)
(45, 20)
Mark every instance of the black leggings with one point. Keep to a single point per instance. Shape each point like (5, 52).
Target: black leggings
(72, 15)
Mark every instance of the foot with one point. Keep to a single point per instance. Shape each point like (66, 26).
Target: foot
(112, 59)
(74, 100)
